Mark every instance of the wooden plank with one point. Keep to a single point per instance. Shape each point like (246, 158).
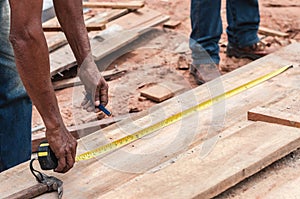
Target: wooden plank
(106, 44)
(112, 74)
(157, 93)
(172, 24)
(133, 5)
(289, 189)
(61, 59)
(161, 92)
(133, 19)
(232, 160)
(56, 41)
(66, 83)
(59, 39)
(281, 5)
(284, 112)
(71, 82)
(169, 145)
(152, 23)
(89, 27)
(282, 183)
(126, 30)
(270, 32)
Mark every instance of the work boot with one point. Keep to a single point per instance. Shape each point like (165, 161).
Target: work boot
(204, 72)
(253, 52)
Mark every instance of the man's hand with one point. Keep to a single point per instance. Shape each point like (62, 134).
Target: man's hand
(63, 144)
(95, 85)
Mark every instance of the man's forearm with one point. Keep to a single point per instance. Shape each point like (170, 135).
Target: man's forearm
(69, 14)
(31, 56)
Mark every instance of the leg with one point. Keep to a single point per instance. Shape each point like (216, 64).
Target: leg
(243, 22)
(206, 30)
(15, 106)
(206, 33)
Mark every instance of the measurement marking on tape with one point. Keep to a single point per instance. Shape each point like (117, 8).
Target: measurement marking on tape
(176, 117)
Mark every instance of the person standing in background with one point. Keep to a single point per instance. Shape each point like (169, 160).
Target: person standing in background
(243, 22)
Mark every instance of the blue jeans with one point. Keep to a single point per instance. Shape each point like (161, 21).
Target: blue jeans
(243, 22)
(15, 106)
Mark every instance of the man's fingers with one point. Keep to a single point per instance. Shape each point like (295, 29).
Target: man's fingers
(84, 101)
(73, 150)
(97, 94)
(87, 105)
(70, 161)
(61, 165)
(104, 95)
(90, 108)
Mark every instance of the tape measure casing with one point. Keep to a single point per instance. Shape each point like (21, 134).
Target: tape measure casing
(46, 157)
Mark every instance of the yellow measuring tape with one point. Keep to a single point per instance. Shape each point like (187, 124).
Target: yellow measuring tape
(174, 118)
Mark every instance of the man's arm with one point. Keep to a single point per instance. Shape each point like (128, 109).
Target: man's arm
(32, 60)
(70, 16)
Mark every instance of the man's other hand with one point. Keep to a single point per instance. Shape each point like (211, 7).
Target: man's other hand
(63, 144)
(95, 85)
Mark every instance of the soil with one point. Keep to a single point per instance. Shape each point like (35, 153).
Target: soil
(156, 61)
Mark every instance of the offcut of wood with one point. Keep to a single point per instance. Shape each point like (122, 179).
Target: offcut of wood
(171, 24)
(162, 91)
(132, 5)
(270, 32)
(71, 82)
(89, 27)
(284, 112)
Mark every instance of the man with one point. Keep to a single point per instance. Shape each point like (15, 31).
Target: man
(243, 22)
(32, 63)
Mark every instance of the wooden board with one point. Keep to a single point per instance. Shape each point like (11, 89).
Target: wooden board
(284, 112)
(270, 32)
(232, 160)
(66, 83)
(172, 24)
(161, 92)
(282, 183)
(89, 27)
(135, 19)
(125, 30)
(173, 145)
(288, 190)
(115, 5)
(106, 44)
(58, 39)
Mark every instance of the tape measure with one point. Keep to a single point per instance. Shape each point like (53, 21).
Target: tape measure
(48, 160)
(46, 157)
(174, 118)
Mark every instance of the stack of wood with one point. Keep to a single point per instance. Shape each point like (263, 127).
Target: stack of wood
(197, 156)
(122, 26)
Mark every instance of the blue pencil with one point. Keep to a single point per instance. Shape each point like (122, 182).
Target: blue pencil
(104, 110)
